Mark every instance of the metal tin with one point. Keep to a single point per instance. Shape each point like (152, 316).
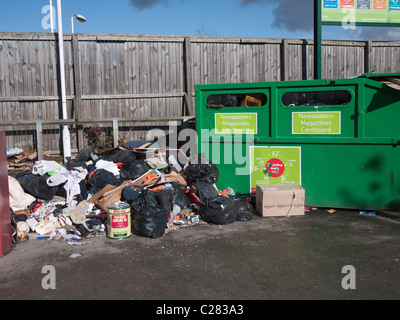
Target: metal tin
(119, 221)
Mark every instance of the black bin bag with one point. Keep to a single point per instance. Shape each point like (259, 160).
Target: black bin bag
(134, 169)
(201, 169)
(102, 178)
(165, 198)
(130, 194)
(180, 198)
(123, 156)
(244, 209)
(218, 210)
(204, 190)
(37, 186)
(149, 219)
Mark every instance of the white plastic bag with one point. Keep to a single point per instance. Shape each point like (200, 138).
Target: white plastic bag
(44, 166)
(14, 152)
(108, 165)
(19, 200)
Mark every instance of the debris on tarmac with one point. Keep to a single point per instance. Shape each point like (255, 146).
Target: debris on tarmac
(367, 213)
(161, 189)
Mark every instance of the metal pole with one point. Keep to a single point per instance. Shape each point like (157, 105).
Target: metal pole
(51, 17)
(66, 139)
(72, 22)
(317, 39)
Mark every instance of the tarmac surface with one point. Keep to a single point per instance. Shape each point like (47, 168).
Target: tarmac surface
(293, 258)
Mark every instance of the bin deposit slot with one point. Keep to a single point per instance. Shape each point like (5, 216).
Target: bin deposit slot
(316, 98)
(392, 82)
(236, 100)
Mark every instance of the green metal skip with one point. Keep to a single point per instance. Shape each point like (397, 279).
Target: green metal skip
(339, 138)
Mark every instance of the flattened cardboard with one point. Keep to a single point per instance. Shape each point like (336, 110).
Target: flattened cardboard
(110, 194)
(107, 190)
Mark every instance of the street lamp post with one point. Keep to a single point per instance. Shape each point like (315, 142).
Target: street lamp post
(79, 17)
(66, 138)
(51, 17)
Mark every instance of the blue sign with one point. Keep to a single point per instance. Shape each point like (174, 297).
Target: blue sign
(331, 4)
(394, 4)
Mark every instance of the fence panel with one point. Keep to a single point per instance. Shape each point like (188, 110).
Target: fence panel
(138, 76)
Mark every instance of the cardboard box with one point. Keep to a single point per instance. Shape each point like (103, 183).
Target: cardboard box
(250, 101)
(112, 194)
(280, 200)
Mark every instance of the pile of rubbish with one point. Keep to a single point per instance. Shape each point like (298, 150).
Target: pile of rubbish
(163, 189)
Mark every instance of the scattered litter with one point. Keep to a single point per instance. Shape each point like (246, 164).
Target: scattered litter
(14, 151)
(74, 243)
(19, 200)
(331, 211)
(23, 228)
(71, 237)
(159, 189)
(50, 167)
(75, 255)
(367, 213)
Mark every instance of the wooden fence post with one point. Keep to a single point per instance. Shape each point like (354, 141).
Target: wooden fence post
(285, 60)
(368, 56)
(39, 139)
(115, 132)
(77, 106)
(187, 60)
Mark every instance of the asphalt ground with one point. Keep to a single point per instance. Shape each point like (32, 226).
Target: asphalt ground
(285, 258)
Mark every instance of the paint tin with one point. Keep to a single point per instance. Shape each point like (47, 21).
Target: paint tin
(119, 221)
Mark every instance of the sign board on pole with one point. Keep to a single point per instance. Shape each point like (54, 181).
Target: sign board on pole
(376, 13)
(361, 12)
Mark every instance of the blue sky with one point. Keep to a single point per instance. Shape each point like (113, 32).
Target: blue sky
(225, 18)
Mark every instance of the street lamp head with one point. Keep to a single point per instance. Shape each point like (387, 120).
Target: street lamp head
(80, 18)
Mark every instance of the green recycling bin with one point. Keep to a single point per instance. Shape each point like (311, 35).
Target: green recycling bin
(338, 138)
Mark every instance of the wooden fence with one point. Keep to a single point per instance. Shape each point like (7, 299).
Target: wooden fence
(139, 77)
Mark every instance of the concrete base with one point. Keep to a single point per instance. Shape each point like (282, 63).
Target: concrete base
(262, 259)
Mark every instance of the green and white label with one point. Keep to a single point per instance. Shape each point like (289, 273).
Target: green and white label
(236, 123)
(316, 122)
(274, 165)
